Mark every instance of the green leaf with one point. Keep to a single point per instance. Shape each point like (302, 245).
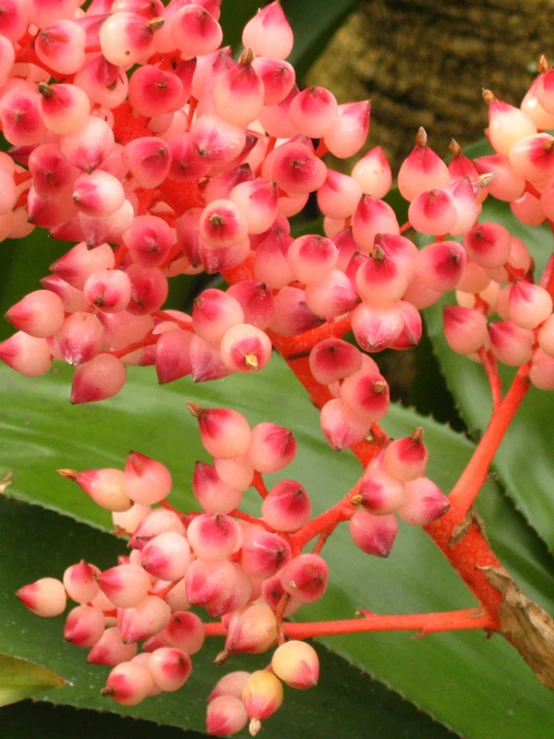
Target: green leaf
(443, 673)
(36, 542)
(20, 679)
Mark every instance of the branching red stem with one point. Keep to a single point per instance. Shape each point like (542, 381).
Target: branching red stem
(491, 368)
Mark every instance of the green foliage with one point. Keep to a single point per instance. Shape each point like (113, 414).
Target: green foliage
(20, 679)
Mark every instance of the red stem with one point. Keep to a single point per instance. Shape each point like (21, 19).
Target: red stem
(473, 477)
(491, 368)
(424, 623)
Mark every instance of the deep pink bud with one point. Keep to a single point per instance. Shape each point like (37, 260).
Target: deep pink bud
(291, 314)
(406, 458)
(125, 585)
(209, 583)
(376, 328)
(372, 217)
(110, 649)
(80, 581)
(255, 300)
(366, 393)
(45, 597)
(287, 507)
(433, 212)
(184, 631)
(245, 348)
(129, 683)
(149, 617)
(156, 522)
(39, 314)
(440, 265)
(269, 33)
(170, 668)
(101, 378)
(424, 502)
(272, 447)
(205, 359)
(225, 432)
(373, 534)
(511, 344)
(80, 339)
(146, 480)
(334, 359)
(263, 553)
(76, 265)
(213, 537)
(305, 577)
(350, 128)
(488, 244)
(341, 425)
(84, 626)
(381, 493)
(214, 495)
(422, 170)
(465, 329)
(225, 715)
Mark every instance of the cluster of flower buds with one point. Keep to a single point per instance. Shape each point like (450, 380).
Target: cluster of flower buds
(248, 572)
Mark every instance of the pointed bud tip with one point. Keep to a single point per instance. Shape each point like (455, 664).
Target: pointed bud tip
(421, 137)
(195, 409)
(68, 474)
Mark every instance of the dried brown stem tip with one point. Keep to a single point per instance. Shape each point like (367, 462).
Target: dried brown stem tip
(246, 58)
(488, 95)
(68, 474)
(544, 66)
(417, 435)
(222, 658)
(195, 409)
(156, 23)
(455, 148)
(421, 138)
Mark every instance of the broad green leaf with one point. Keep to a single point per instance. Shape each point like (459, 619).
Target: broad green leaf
(44, 432)
(53, 542)
(20, 679)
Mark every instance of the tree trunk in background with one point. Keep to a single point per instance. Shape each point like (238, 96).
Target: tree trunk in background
(425, 62)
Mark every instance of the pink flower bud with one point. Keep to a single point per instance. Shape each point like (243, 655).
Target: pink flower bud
(156, 522)
(79, 263)
(212, 537)
(45, 597)
(245, 348)
(104, 486)
(433, 212)
(252, 629)
(334, 359)
(154, 91)
(146, 481)
(64, 108)
(440, 265)
(89, 146)
(271, 266)
(110, 650)
(128, 521)
(147, 618)
(170, 668)
(406, 459)
(506, 184)
(213, 494)
(372, 217)
(311, 257)
(291, 314)
(373, 534)
(195, 31)
(125, 585)
(541, 372)
(381, 493)
(424, 502)
(214, 313)
(278, 78)
(305, 577)
(528, 209)
(230, 684)
(225, 433)
(350, 128)
(488, 244)
(84, 626)
(80, 339)
(108, 290)
(40, 314)
(205, 359)
(263, 553)
(255, 300)
(507, 124)
(101, 378)
(269, 33)
(128, 683)
(272, 447)
(465, 329)
(80, 581)
(25, 354)
(296, 663)
(258, 201)
(373, 173)
(209, 583)
(422, 170)
(511, 344)
(341, 425)
(225, 715)
(524, 304)
(167, 556)
(215, 140)
(287, 507)
(376, 327)
(148, 159)
(184, 631)
(296, 169)
(20, 116)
